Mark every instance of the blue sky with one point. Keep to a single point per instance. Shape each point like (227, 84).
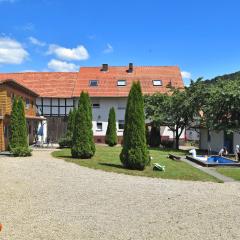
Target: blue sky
(201, 37)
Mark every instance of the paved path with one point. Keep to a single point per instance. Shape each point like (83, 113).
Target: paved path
(210, 171)
(50, 199)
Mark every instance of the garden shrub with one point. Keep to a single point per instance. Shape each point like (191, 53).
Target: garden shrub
(21, 151)
(65, 142)
(167, 143)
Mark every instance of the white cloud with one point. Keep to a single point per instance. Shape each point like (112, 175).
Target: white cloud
(108, 49)
(186, 75)
(11, 51)
(28, 70)
(36, 42)
(62, 66)
(78, 53)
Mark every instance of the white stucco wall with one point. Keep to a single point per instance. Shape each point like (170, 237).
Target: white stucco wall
(166, 132)
(216, 140)
(236, 140)
(192, 135)
(203, 143)
(101, 114)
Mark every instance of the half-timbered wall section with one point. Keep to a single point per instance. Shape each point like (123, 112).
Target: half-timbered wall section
(54, 106)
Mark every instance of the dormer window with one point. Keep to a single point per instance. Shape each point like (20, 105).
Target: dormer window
(157, 82)
(93, 83)
(121, 83)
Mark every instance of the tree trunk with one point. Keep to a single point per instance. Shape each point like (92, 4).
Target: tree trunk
(177, 142)
(177, 139)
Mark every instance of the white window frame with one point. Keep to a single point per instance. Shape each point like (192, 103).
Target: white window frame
(121, 83)
(121, 129)
(157, 82)
(99, 129)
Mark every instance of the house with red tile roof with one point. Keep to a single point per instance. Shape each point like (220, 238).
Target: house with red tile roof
(9, 89)
(108, 86)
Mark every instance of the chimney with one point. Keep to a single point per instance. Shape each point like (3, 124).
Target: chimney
(130, 68)
(104, 67)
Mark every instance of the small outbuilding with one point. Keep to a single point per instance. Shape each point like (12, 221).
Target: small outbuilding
(214, 140)
(9, 89)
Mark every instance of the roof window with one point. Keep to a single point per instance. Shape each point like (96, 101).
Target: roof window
(121, 83)
(93, 83)
(157, 82)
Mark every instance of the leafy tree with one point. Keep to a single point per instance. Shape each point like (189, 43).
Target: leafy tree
(83, 143)
(134, 154)
(175, 110)
(155, 138)
(111, 134)
(221, 110)
(14, 127)
(154, 108)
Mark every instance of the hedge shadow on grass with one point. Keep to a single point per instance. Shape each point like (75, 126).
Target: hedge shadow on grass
(112, 165)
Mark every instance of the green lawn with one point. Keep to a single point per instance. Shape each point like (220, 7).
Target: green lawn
(107, 159)
(230, 172)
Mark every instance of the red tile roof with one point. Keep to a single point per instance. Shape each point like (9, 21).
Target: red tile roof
(46, 84)
(108, 80)
(67, 85)
(18, 85)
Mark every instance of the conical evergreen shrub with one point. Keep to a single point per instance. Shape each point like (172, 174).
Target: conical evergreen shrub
(14, 127)
(83, 143)
(22, 125)
(134, 154)
(19, 133)
(66, 141)
(154, 139)
(147, 134)
(70, 124)
(111, 134)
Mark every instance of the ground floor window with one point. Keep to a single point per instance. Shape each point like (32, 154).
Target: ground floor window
(99, 126)
(120, 125)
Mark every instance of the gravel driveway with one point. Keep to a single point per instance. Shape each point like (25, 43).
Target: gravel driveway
(46, 198)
